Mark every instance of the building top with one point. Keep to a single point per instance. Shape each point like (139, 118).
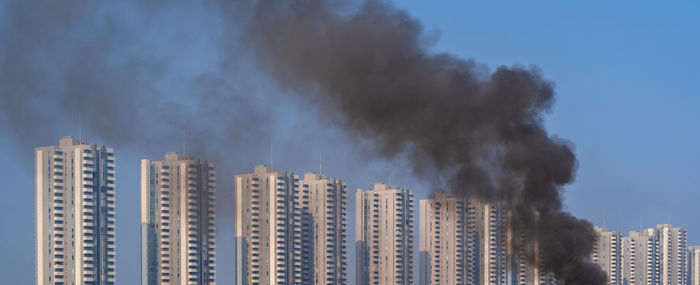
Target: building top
(262, 169)
(379, 186)
(314, 176)
(443, 195)
(69, 141)
(668, 226)
(170, 156)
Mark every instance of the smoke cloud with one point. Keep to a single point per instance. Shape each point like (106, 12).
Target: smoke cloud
(372, 70)
(59, 61)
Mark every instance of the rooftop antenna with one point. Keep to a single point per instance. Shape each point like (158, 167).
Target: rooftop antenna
(271, 156)
(184, 141)
(389, 171)
(320, 162)
(80, 127)
(604, 223)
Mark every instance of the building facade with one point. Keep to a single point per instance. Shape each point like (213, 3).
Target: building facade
(469, 241)
(694, 265)
(178, 221)
(640, 258)
(655, 256)
(673, 249)
(491, 241)
(75, 214)
(446, 243)
(274, 229)
(384, 235)
(607, 253)
(328, 206)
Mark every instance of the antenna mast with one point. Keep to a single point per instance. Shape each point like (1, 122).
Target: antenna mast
(80, 127)
(184, 141)
(320, 163)
(271, 156)
(389, 171)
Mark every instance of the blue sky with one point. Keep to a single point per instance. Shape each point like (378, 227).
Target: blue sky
(626, 81)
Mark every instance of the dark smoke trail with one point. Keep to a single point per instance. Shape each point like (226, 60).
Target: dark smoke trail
(452, 116)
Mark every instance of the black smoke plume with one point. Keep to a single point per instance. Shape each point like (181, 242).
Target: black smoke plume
(372, 68)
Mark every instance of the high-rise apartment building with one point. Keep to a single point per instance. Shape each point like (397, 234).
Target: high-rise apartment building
(178, 221)
(328, 204)
(384, 235)
(447, 240)
(607, 253)
(672, 254)
(491, 225)
(274, 229)
(694, 265)
(655, 256)
(75, 214)
(469, 241)
(639, 257)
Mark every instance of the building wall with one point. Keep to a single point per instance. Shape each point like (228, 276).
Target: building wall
(328, 200)
(75, 214)
(607, 253)
(492, 230)
(694, 265)
(469, 241)
(640, 258)
(672, 254)
(384, 235)
(178, 221)
(445, 226)
(273, 229)
(655, 256)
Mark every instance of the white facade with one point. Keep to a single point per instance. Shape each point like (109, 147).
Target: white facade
(607, 253)
(640, 258)
(469, 241)
(446, 234)
(694, 265)
(491, 223)
(672, 254)
(75, 214)
(274, 230)
(178, 221)
(328, 206)
(384, 235)
(655, 256)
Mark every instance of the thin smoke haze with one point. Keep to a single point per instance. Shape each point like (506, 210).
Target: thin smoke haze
(373, 69)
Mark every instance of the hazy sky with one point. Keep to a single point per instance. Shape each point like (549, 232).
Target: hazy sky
(626, 84)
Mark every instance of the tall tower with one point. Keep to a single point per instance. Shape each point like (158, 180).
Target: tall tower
(328, 204)
(75, 214)
(384, 235)
(274, 230)
(694, 265)
(672, 254)
(607, 253)
(178, 221)
(491, 224)
(640, 258)
(447, 233)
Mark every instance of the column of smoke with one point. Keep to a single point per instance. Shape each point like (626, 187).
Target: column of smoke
(452, 116)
